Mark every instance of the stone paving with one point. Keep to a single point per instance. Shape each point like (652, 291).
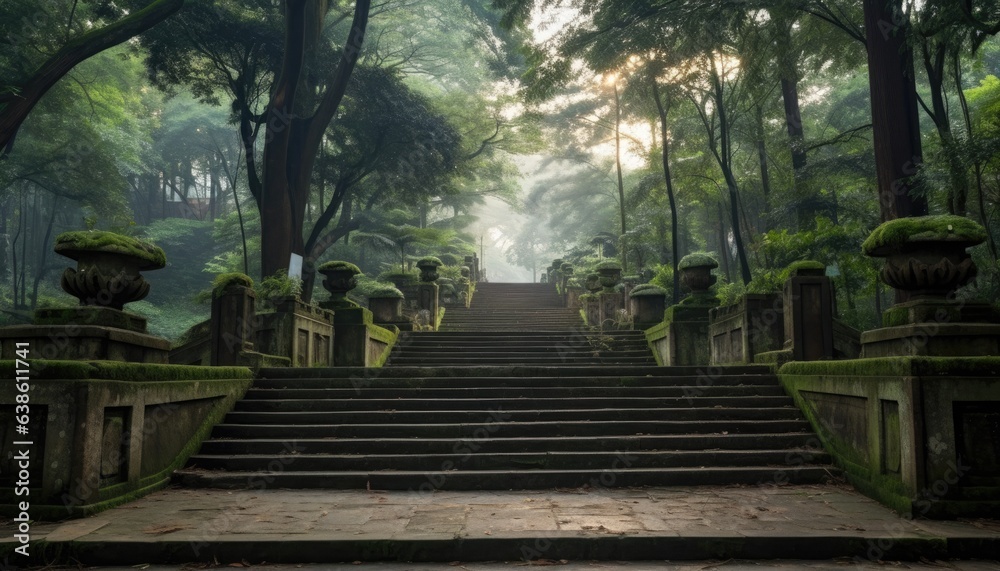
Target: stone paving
(178, 525)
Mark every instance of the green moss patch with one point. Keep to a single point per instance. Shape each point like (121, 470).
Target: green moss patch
(429, 261)
(224, 281)
(333, 266)
(608, 265)
(387, 291)
(896, 233)
(698, 260)
(649, 290)
(100, 241)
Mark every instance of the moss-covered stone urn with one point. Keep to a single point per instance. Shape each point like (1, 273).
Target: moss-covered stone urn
(696, 272)
(611, 274)
(340, 278)
(108, 267)
(593, 283)
(429, 268)
(926, 256)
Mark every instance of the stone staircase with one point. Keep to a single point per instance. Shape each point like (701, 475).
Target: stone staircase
(405, 428)
(513, 307)
(503, 410)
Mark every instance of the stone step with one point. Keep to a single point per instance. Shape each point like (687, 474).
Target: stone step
(477, 345)
(525, 390)
(305, 461)
(495, 444)
(313, 417)
(707, 373)
(563, 353)
(510, 404)
(692, 385)
(431, 360)
(510, 429)
(509, 479)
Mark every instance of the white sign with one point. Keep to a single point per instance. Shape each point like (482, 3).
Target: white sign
(295, 266)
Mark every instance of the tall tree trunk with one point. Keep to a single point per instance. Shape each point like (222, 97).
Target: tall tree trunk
(765, 169)
(896, 126)
(789, 72)
(293, 139)
(663, 108)
(41, 270)
(935, 56)
(725, 162)
(621, 181)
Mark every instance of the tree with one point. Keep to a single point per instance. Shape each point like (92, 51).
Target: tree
(21, 90)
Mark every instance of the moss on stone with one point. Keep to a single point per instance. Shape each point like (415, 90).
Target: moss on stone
(806, 265)
(332, 266)
(698, 260)
(224, 281)
(101, 241)
(897, 232)
(648, 290)
(429, 261)
(388, 291)
(608, 265)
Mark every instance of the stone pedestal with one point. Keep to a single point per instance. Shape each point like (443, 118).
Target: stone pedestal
(647, 310)
(611, 305)
(389, 311)
(232, 325)
(809, 310)
(350, 327)
(935, 328)
(687, 335)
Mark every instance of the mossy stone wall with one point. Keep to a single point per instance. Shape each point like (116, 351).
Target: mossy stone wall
(110, 432)
(916, 433)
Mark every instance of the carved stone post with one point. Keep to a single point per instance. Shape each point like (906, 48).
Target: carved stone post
(647, 304)
(428, 291)
(233, 315)
(808, 313)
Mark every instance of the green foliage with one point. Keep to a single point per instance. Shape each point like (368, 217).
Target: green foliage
(400, 278)
(279, 285)
(901, 231)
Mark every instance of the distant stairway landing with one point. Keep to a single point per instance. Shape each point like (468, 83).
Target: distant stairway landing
(538, 348)
(513, 307)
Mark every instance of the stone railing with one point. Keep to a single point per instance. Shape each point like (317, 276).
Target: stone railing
(107, 432)
(739, 332)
